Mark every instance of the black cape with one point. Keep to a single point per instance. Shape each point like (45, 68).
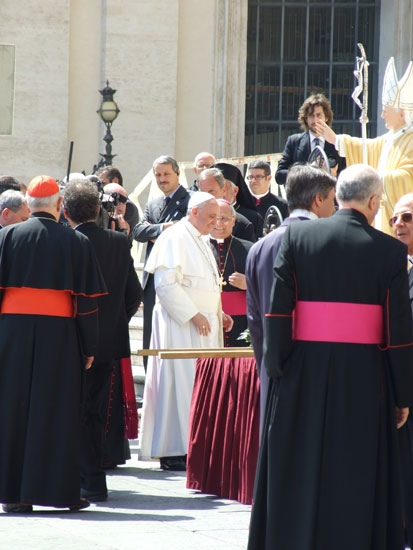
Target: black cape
(41, 362)
(231, 256)
(328, 474)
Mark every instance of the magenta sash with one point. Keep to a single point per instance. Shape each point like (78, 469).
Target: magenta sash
(234, 303)
(338, 322)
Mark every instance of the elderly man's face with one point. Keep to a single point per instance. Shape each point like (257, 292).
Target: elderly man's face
(166, 178)
(202, 162)
(393, 118)
(204, 216)
(403, 229)
(211, 186)
(224, 222)
(21, 215)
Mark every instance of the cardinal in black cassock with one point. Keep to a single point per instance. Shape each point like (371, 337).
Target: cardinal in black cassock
(49, 281)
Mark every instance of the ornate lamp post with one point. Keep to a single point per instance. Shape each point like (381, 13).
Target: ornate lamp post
(108, 112)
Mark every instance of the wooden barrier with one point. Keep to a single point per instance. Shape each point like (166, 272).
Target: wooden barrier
(195, 353)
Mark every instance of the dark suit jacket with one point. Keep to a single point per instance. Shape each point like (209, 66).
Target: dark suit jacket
(297, 149)
(125, 291)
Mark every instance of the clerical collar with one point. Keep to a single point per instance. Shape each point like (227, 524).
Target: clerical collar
(260, 196)
(301, 212)
(219, 241)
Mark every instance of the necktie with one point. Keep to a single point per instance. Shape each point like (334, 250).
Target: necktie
(165, 205)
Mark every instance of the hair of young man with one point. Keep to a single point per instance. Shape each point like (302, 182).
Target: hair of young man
(81, 201)
(12, 199)
(304, 182)
(111, 172)
(307, 108)
(165, 159)
(212, 173)
(8, 182)
(260, 165)
(358, 183)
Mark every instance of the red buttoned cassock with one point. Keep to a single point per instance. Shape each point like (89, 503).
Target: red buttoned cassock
(49, 281)
(339, 354)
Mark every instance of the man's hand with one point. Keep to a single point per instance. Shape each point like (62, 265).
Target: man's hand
(401, 416)
(238, 280)
(166, 225)
(123, 224)
(89, 361)
(202, 324)
(227, 322)
(325, 131)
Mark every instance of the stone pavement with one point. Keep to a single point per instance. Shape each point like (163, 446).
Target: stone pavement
(147, 509)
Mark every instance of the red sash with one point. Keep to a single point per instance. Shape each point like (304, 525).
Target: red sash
(338, 322)
(37, 301)
(234, 303)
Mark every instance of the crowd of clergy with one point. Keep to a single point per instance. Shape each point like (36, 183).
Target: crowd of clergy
(310, 264)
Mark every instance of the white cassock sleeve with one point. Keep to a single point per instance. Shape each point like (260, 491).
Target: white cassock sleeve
(170, 290)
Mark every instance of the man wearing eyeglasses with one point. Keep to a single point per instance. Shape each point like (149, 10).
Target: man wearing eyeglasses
(230, 254)
(120, 208)
(202, 162)
(402, 226)
(259, 181)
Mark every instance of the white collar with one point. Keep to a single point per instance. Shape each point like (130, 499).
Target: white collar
(300, 212)
(260, 196)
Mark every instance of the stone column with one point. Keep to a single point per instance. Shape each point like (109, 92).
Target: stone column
(230, 77)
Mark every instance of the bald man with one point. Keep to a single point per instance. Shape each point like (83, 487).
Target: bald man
(202, 162)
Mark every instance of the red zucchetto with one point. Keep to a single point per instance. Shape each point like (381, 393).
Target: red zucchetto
(42, 186)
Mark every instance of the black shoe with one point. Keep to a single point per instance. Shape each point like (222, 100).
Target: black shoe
(175, 463)
(94, 496)
(83, 503)
(16, 508)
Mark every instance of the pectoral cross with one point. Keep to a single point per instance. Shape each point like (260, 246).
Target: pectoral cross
(221, 282)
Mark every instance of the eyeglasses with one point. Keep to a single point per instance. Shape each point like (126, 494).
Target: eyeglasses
(250, 178)
(406, 217)
(203, 166)
(222, 219)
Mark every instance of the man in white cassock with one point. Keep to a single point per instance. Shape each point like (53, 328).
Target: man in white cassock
(187, 314)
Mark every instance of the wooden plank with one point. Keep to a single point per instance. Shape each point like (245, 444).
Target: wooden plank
(206, 354)
(148, 352)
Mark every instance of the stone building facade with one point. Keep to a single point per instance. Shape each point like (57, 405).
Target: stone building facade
(179, 68)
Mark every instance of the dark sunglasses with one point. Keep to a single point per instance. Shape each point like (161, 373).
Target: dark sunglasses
(406, 217)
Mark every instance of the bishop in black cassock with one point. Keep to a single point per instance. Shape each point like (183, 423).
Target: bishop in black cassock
(328, 473)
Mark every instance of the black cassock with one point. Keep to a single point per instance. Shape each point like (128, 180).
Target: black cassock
(231, 255)
(42, 360)
(328, 474)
